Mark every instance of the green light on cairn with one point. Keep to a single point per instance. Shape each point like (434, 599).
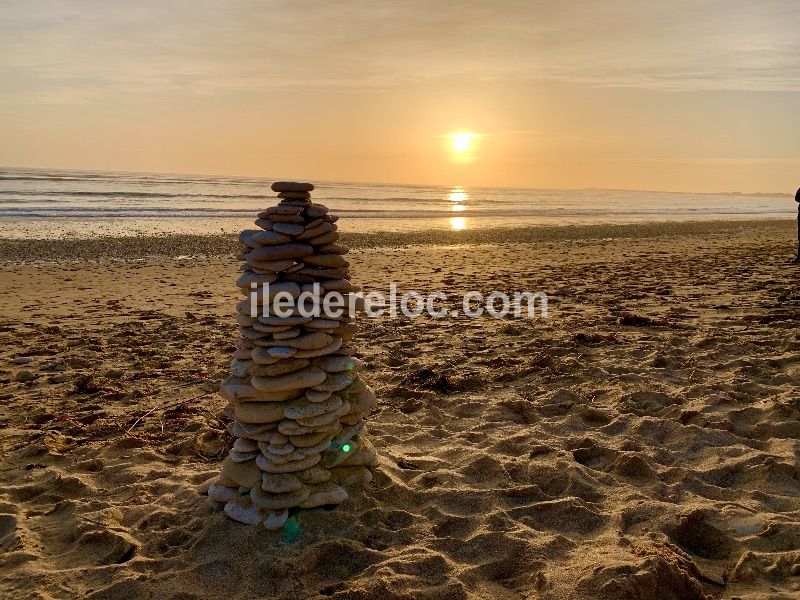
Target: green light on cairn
(346, 448)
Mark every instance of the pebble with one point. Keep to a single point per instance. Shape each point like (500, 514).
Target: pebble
(281, 251)
(242, 509)
(329, 349)
(321, 260)
(323, 494)
(312, 232)
(264, 499)
(304, 378)
(269, 238)
(24, 376)
(289, 228)
(290, 467)
(292, 186)
(259, 412)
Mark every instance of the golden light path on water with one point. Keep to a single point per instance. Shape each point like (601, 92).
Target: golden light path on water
(458, 198)
(458, 223)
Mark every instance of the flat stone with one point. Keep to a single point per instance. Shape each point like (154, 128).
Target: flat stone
(313, 395)
(245, 445)
(259, 412)
(280, 210)
(345, 435)
(362, 401)
(261, 357)
(288, 228)
(329, 349)
(312, 232)
(309, 440)
(302, 203)
(268, 293)
(320, 260)
(248, 278)
(241, 368)
(284, 321)
(273, 266)
(282, 449)
(241, 390)
(270, 238)
(281, 367)
(291, 499)
(241, 509)
(291, 467)
(290, 427)
(304, 378)
(317, 272)
(296, 219)
(241, 457)
(312, 341)
(295, 195)
(239, 429)
(314, 475)
(334, 382)
(292, 186)
(245, 474)
(323, 494)
(327, 418)
(264, 224)
(322, 324)
(247, 236)
(317, 448)
(325, 238)
(316, 210)
(282, 352)
(220, 493)
(282, 251)
(303, 409)
(287, 334)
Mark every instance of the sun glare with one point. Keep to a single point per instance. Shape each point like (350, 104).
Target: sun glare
(462, 142)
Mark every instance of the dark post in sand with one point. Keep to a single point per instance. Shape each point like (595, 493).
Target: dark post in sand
(797, 199)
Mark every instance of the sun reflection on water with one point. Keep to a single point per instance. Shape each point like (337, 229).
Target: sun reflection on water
(458, 223)
(457, 195)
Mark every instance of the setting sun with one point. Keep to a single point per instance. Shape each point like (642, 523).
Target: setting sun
(462, 142)
(462, 146)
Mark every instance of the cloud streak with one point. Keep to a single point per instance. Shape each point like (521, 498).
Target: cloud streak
(83, 50)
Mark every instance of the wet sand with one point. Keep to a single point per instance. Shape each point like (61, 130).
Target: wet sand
(641, 442)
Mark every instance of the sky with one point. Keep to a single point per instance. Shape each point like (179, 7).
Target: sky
(684, 95)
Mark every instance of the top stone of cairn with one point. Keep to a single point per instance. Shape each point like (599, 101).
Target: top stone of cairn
(292, 186)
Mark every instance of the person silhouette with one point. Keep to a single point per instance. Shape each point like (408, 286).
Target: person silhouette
(797, 199)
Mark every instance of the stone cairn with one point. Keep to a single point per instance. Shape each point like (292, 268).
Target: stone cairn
(297, 398)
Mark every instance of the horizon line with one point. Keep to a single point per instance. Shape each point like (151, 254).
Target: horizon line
(419, 185)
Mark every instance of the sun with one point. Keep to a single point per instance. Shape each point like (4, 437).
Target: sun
(462, 142)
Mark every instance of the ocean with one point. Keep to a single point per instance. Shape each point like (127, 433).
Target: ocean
(54, 203)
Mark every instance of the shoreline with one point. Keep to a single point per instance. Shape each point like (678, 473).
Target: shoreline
(24, 250)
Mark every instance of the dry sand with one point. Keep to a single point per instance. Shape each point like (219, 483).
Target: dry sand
(640, 443)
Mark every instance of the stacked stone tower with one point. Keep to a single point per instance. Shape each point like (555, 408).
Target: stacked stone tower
(297, 396)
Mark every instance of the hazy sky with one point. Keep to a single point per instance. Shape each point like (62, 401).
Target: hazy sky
(682, 95)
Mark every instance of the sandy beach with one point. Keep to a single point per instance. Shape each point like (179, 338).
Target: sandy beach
(641, 442)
